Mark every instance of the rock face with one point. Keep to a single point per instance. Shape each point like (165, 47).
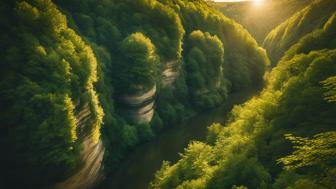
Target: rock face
(140, 108)
(82, 117)
(91, 155)
(169, 73)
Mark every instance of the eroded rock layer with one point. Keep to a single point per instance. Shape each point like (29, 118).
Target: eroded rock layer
(140, 108)
(91, 155)
(169, 73)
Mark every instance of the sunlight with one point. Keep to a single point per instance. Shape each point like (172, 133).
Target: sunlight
(258, 2)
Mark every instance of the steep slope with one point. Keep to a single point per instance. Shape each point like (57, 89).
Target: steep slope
(244, 60)
(246, 149)
(314, 16)
(260, 18)
(250, 149)
(319, 39)
(50, 114)
(139, 54)
(161, 30)
(70, 67)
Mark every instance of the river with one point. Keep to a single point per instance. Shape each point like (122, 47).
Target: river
(138, 169)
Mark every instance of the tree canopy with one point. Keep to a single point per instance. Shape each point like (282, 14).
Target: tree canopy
(251, 150)
(67, 64)
(48, 74)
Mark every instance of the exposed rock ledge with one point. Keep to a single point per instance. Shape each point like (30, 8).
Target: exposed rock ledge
(138, 100)
(82, 118)
(91, 156)
(169, 73)
(142, 115)
(140, 108)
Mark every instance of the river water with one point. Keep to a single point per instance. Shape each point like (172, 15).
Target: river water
(138, 169)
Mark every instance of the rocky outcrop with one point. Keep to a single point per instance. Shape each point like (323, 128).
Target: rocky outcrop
(82, 118)
(90, 170)
(91, 155)
(169, 73)
(142, 115)
(139, 99)
(140, 108)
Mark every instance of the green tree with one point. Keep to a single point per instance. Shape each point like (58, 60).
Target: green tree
(137, 70)
(48, 76)
(317, 154)
(204, 67)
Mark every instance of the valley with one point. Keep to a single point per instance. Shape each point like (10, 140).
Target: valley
(163, 94)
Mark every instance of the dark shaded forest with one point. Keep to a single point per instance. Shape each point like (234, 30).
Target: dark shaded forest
(84, 82)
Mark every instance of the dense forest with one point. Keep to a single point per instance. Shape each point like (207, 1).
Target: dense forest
(312, 17)
(76, 72)
(85, 82)
(285, 136)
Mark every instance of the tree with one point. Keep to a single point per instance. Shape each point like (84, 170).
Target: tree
(316, 156)
(48, 76)
(330, 87)
(204, 66)
(137, 69)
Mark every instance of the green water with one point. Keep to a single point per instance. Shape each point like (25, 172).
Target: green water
(139, 168)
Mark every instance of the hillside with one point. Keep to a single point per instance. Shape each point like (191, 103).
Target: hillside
(96, 94)
(83, 80)
(260, 19)
(312, 17)
(49, 105)
(282, 138)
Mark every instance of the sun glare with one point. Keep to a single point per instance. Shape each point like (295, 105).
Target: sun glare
(258, 2)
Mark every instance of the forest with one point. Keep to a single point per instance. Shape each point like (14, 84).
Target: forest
(104, 79)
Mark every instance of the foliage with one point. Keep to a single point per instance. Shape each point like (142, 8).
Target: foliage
(330, 87)
(47, 76)
(313, 17)
(204, 66)
(213, 132)
(244, 61)
(240, 170)
(56, 66)
(139, 73)
(316, 40)
(311, 152)
(246, 149)
(193, 164)
(317, 155)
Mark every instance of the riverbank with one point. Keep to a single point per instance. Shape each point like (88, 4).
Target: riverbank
(138, 169)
